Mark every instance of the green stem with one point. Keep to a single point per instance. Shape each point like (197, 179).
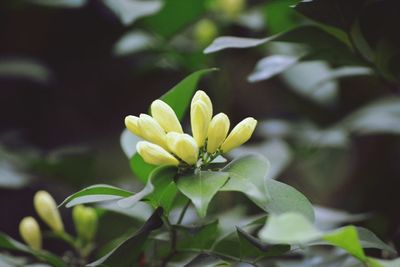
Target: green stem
(183, 212)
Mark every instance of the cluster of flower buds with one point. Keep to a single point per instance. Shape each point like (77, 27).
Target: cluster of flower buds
(85, 220)
(166, 143)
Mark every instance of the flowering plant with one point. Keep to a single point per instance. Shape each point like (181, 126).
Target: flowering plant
(183, 174)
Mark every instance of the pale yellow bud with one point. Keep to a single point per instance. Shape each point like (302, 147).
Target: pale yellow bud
(184, 146)
(217, 131)
(46, 207)
(30, 232)
(131, 123)
(202, 96)
(240, 134)
(85, 220)
(151, 130)
(165, 116)
(199, 119)
(155, 154)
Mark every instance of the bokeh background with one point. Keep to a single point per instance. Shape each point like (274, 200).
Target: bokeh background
(328, 108)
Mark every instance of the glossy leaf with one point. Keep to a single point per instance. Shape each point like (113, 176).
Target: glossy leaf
(60, 3)
(289, 228)
(126, 253)
(384, 263)
(155, 179)
(95, 193)
(247, 175)
(201, 187)
(8, 243)
(347, 239)
(369, 240)
(284, 198)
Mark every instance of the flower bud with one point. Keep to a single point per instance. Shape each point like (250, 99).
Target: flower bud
(217, 131)
(202, 96)
(199, 119)
(85, 220)
(46, 207)
(151, 130)
(131, 123)
(184, 146)
(165, 116)
(30, 232)
(205, 32)
(154, 154)
(239, 135)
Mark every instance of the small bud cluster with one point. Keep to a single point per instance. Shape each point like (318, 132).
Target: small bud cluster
(166, 143)
(85, 220)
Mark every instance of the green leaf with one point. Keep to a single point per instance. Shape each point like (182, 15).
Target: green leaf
(128, 11)
(174, 16)
(280, 16)
(25, 69)
(95, 193)
(347, 239)
(60, 3)
(197, 237)
(140, 168)
(201, 187)
(179, 98)
(165, 189)
(271, 66)
(253, 248)
(285, 198)
(156, 176)
(369, 240)
(8, 243)
(384, 263)
(204, 260)
(126, 253)
(248, 175)
(289, 228)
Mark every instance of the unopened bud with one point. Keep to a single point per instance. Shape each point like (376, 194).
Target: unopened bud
(30, 232)
(217, 132)
(47, 210)
(154, 154)
(184, 146)
(85, 220)
(239, 135)
(165, 116)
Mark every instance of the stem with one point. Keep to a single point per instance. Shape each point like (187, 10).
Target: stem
(183, 212)
(174, 233)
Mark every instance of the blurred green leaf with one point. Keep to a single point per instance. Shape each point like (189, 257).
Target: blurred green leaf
(289, 228)
(204, 260)
(126, 253)
(271, 66)
(284, 198)
(60, 3)
(140, 168)
(8, 243)
(247, 175)
(133, 42)
(384, 263)
(201, 187)
(369, 240)
(128, 11)
(336, 13)
(95, 193)
(26, 69)
(280, 16)
(174, 16)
